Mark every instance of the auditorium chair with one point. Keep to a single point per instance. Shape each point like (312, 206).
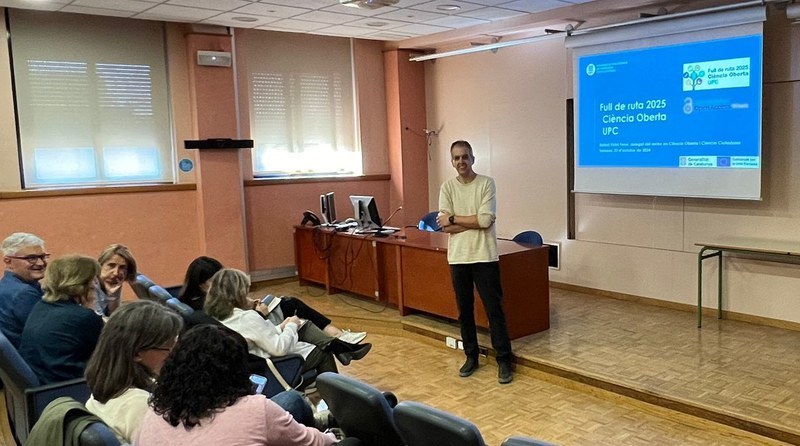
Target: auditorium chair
(524, 441)
(98, 434)
(529, 238)
(428, 222)
(360, 410)
(140, 285)
(421, 425)
(26, 398)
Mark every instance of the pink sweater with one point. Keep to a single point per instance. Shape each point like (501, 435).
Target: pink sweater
(252, 421)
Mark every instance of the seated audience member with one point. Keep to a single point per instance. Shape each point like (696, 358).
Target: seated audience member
(121, 373)
(62, 329)
(25, 260)
(204, 397)
(227, 302)
(117, 265)
(128, 359)
(198, 279)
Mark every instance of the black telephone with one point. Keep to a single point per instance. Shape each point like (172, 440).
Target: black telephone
(310, 217)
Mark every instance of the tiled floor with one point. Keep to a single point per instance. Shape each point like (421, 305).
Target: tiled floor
(736, 373)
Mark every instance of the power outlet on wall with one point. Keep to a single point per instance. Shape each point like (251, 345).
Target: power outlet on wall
(460, 345)
(450, 341)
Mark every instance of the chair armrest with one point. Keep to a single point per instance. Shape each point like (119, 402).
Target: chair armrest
(37, 398)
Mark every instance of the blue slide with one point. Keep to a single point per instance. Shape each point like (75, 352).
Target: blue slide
(692, 105)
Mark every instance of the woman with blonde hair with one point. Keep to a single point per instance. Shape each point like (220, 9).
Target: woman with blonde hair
(62, 329)
(122, 371)
(227, 302)
(117, 266)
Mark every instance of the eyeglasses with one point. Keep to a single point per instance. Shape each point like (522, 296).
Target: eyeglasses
(32, 259)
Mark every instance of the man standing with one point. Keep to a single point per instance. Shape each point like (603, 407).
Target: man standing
(25, 260)
(467, 212)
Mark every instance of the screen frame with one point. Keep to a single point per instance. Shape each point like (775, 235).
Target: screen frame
(365, 212)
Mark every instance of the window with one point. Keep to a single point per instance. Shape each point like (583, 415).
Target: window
(301, 103)
(92, 99)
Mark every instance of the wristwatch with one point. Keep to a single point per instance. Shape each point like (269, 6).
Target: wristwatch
(452, 219)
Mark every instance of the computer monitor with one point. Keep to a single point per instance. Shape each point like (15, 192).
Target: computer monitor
(365, 212)
(327, 207)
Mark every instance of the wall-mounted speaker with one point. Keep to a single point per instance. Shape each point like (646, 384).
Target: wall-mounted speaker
(214, 58)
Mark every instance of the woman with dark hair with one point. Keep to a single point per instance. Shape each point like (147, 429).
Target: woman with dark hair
(204, 397)
(128, 358)
(198, 279)
(227, 302)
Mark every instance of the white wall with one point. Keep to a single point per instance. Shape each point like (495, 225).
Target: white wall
(511, 107)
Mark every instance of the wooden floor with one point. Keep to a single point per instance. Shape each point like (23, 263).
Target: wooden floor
(607, 372)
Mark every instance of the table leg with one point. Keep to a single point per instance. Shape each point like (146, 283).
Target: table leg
(719, 287)
(700, 287)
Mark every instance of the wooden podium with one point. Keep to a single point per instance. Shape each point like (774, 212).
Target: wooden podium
(409, 269)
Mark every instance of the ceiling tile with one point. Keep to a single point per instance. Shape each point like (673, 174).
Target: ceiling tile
(219, 5)
(227, 19)
(342, 9)
(97, 11)
(492, 13)
(488, 2)
(410, 15)
(389, 35)
(309, 4)
(177, 13)
(534, 5)
(420, 28)
(454, 21)
(119, 5)
(343, 30)
(271, 10)
(373, 23)
(294, 25)
(409, 3)
(327, 17)
(435, 6)
(26, 4)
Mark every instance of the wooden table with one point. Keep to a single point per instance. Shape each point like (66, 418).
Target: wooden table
(768, 250)
(409, 269)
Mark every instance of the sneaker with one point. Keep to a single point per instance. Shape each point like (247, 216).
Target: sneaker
(504, 373)
(469, 367)
(352, 337)
(324, 420)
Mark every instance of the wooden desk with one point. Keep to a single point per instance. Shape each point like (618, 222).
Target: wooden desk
(410, 270)
(767, 250)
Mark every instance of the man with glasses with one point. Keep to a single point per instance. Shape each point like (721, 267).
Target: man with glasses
(25, 260)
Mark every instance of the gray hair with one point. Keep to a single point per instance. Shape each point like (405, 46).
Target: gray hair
(18, 241)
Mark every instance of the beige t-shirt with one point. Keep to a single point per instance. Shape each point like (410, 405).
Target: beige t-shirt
(474, 198)
(122, 414)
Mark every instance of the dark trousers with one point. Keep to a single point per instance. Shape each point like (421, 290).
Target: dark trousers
(485, 277)
(292, 306)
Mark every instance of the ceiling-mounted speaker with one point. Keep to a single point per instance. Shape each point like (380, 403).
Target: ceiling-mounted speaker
(214, 58)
